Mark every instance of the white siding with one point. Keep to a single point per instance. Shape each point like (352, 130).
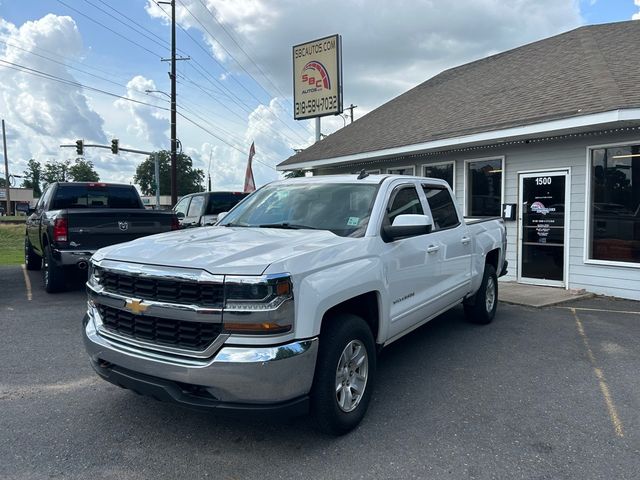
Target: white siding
(620, 281)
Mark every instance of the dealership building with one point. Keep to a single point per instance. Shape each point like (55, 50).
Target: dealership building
(546, 135)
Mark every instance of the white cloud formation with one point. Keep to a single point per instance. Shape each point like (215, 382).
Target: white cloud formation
(636, 16)
(40, 113)
(146, 123)
(388, 47)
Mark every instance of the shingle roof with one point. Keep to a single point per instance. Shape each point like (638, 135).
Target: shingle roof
(587, 70)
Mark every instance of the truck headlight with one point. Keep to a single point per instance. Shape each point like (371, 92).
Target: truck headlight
(94, 275)
(258, 305)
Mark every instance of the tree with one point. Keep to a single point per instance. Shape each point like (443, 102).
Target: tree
(32, 176)
(83, 171)
(3, 182)
(55, 171)
(189, 179)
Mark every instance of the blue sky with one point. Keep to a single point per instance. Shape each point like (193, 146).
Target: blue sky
(237, 87)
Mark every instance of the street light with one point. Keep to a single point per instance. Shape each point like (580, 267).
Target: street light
(158, 91)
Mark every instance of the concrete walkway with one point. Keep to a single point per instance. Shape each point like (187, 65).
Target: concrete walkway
(537, 296)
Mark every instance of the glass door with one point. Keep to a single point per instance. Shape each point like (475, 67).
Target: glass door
(542, 227)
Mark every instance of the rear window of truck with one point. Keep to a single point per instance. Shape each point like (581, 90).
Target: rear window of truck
(87, 196)
(223, 201)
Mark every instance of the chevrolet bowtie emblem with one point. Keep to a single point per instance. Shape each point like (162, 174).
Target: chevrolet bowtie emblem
(135, 306)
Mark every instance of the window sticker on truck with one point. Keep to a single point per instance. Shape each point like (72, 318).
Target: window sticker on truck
(353, 221)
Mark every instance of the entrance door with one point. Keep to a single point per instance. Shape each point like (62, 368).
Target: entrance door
(543, 227)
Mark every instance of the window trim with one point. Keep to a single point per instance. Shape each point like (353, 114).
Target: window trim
(436, 164)
(465, 200)
(412, 167)
(455, 207)
(587, 210)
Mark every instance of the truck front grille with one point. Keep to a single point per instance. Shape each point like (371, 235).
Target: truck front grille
(162, 290)
(161, 331)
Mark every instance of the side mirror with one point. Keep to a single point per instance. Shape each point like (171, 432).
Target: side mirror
(221, 215)
(31, 211)
(180, 215)
(208, 220)
(408, 225)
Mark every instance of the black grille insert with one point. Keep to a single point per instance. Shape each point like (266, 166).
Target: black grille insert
(162, 331)
(161, 290)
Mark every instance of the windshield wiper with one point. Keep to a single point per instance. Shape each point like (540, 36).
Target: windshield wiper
(287, 225)
(231, 224)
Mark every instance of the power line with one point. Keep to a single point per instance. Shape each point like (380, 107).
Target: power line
(49, 76)
(164, 42)
(110, 29)
(219, 138)
(66, 60)
(233, 39)
(69, 66)
(137, 31)
(226, 71)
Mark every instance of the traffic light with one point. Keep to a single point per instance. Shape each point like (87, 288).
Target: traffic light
(114, 146)
(79, 147)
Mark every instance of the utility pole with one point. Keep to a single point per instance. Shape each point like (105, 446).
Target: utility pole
(6, 170)
(156, 160)
(210, 154)
(350, 108)
(172, 76)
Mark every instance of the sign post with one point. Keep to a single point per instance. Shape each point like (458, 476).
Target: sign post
(317, 79)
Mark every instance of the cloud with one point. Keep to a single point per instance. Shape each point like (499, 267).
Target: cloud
(388, 47)
(636, 16)
(146, 123)
(41, 114)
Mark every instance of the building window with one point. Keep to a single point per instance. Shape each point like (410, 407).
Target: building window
(615, 204)
(444, 171)
(484, 187)
(373, 172)
(402, 171)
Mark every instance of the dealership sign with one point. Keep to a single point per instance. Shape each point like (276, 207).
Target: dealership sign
(317, 78)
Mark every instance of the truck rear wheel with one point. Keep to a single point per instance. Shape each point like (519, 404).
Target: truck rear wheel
(345, 374)
(31, 259)
(52, 275)
(485, 301)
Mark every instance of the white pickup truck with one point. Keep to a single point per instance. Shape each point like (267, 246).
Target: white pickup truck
(284, 304)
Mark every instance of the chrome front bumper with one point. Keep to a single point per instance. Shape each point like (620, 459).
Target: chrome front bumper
(235, 374)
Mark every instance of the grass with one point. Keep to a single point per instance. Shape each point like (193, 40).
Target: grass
(13, 217)
(11, 244)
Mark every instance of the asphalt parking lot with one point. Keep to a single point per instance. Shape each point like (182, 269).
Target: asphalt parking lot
(539, 394)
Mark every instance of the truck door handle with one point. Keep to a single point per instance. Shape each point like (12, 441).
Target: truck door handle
(465, 240)
(432, 248)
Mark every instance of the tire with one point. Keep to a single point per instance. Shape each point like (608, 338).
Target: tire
(336, 405)
(485, 302)
(31, 259)
(52, 275)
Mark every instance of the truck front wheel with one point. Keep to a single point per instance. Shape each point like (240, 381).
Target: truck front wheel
(485, 301)
(345, 374)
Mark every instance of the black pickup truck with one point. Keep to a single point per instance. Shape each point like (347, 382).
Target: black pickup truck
(72, 220)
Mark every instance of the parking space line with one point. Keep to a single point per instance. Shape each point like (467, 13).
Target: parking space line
(600, 310)
(604, 388)
(27, 282)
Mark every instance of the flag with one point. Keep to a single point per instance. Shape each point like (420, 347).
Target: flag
(249, 183)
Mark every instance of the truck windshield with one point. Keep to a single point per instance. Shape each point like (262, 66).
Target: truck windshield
(342, 208)
(98, 196)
